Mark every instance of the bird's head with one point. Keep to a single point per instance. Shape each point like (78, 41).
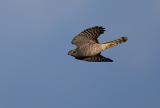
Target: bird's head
(72, 53)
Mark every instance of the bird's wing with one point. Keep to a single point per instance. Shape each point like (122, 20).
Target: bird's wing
(97, 58)
(88, 35)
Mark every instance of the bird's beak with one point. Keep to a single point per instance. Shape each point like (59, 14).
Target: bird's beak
(72, 42)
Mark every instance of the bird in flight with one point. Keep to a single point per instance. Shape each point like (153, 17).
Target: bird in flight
(88, 47)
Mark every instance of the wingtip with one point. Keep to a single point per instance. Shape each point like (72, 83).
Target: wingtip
(101, 27)
(110, 60)
(125, 39)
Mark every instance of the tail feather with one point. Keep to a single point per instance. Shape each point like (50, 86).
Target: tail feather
(116, 42)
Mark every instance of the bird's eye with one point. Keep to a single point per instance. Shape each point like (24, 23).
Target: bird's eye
(75, 40)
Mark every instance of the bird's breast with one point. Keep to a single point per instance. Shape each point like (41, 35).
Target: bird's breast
(89, 50)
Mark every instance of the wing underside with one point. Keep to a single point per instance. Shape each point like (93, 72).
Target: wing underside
(97, 58)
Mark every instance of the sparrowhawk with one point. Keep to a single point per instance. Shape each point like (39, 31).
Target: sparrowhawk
(88, 47)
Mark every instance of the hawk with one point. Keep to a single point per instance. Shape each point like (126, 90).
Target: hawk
(88, 47)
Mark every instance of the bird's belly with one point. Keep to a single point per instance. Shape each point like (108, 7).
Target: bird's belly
(89, 50)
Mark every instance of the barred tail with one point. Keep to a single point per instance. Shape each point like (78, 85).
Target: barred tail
(116, 42)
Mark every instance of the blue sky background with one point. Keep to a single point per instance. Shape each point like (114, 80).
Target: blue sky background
(36, 72)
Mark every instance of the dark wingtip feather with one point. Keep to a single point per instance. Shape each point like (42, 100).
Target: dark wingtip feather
(109, 60)
(124, 39)
(101, 28)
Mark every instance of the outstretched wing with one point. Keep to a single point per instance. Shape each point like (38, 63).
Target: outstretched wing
(88, 35)
(97, 58)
